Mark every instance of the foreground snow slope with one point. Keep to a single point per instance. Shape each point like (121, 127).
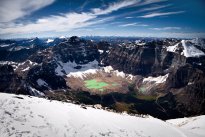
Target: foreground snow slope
(193, 124)
(31, 117)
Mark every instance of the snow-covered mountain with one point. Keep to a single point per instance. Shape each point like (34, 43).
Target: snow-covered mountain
(31, 116)
(187, 48)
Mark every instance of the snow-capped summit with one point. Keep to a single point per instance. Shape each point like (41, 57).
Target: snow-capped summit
(49, 40)
(186, 48)
(190, 50)
(62, 37)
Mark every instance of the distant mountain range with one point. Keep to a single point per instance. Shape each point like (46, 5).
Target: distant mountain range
(161, 77)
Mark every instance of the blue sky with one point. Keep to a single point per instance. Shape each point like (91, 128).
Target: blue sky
(50, 18)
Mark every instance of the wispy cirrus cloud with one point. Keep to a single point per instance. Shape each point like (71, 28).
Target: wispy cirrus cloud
(89, 29)
(13, 9)
(129, 17)
(157, 14)
(157, 7)
(154, 8)
(53, 23)
(133, 24)
(114, 7)
(67, 21)
(166, 28)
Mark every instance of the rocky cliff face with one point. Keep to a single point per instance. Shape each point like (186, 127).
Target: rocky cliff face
(149, 59)
(11, 82)
(136, 61)
(179, 63)
(55, 62)
(187, 85)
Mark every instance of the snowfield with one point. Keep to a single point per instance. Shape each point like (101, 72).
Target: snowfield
(193, 124)
(157, 80)
(24, 116)
(49, 40)
(190, 50)
(173, 48)
(70, 70)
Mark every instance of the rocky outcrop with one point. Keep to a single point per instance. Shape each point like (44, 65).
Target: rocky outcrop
(76, 50)
(45, 72)
(187, 85)
(51, 63)
(11, 82)
(150, 59)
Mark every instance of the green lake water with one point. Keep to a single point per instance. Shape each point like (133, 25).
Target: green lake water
(93, 84)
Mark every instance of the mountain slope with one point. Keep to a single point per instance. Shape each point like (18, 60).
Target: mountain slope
(193, 124)
(30, 116)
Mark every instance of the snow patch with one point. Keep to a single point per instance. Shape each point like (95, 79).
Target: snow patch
(71, 68)
(49, 40)
(62, 37)
(101, 51)
(109, 69)
(26, 69)
(157, 80)
(4, 45)
(120, 73)
(173, 48)
(82, 74)
(35, 92)
(190, 50)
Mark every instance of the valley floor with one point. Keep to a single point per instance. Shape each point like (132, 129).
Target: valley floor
(24, 116)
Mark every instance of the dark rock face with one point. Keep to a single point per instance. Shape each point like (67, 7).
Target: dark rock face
(46, 72)
(169, 106)
(76, 49)
(149, 59)
(187, 85)
(138, 60)
(21, 50)
(183, 92)
(10, 82)
(73, 50)
(183, 75)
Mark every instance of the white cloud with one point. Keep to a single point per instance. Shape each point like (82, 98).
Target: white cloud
(127, 25)
(154, 8)
(151, 15)
(89, 29)
(66, 22)
(183, 34)
(166, 28)
(129, 17)
(61, 23)
(133, 24)
(14, 9)
(114, 7)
